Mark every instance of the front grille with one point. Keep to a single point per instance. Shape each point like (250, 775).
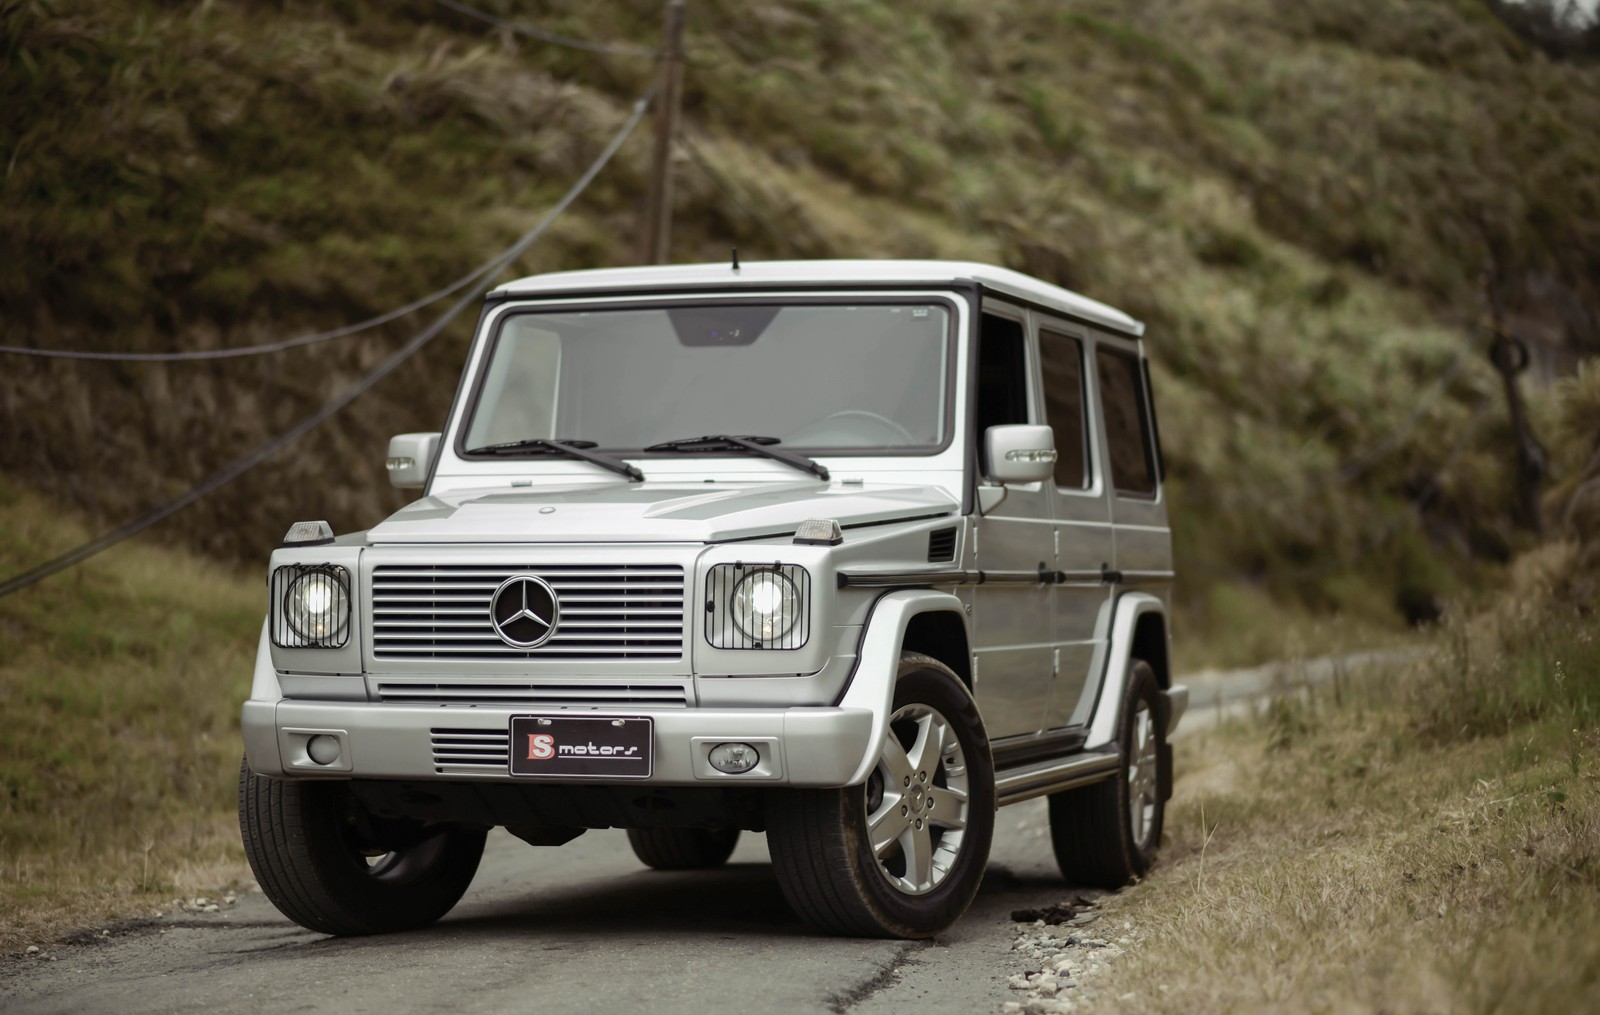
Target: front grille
(607, 611)
(470, 750)
(542, 695)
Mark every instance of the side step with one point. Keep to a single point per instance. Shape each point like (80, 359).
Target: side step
(1014, 785)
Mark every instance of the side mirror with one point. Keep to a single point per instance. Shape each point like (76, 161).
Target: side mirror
(410, 458)
(1020, 453)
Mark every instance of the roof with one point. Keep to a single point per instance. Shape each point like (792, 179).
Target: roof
(761, 274)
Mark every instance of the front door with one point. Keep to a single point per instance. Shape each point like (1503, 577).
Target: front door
(1012, 609)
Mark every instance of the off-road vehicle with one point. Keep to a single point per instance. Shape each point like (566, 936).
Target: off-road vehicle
(848, 552)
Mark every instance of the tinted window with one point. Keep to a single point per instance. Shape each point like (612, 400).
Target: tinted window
(1002, 376)
(1062, 361)
(1127, 425)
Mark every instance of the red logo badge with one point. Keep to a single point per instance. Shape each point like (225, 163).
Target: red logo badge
(541, 746)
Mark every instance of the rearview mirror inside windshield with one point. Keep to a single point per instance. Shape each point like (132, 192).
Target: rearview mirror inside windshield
(717, 326)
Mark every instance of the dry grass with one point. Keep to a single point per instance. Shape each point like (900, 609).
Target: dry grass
(1411, 840)
(119, 687)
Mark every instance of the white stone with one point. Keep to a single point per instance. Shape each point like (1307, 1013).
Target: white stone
(33, 949)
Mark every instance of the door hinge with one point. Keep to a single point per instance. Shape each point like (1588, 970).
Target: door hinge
(1055, 662)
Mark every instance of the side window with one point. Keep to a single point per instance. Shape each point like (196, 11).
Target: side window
(1062, 360)
(1002, 375)
(1127, 423)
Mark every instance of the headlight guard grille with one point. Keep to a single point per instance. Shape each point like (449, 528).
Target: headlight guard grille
(758, 606)
(297, 592)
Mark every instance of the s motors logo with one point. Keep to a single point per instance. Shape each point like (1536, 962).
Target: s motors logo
(541, 747)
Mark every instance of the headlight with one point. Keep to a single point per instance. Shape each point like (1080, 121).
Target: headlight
(758, 606)
(311, 606)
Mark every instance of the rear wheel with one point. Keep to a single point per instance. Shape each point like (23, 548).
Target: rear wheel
(332, 867)
(1107, 834)
(683, 849)
(901, 855)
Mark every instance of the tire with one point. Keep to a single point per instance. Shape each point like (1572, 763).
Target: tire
(332, 868)
(915, 883)
(683, 849)
(1106, 835)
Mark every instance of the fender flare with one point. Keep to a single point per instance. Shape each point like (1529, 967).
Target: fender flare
(872, 682)
(1130, 607)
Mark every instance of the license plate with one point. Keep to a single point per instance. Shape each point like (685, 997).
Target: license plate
(609, 747)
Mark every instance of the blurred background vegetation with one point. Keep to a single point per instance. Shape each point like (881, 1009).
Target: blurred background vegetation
(1316, 208)
(1319, 209)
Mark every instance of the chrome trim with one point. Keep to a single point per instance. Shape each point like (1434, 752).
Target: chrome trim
(1053, 776)
(868, 579)
(443, 611)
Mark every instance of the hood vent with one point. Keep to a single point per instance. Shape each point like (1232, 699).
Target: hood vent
(942, 546)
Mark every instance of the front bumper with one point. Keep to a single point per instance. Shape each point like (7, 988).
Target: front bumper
(816, 747)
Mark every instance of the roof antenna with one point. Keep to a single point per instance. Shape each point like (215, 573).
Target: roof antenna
(735, 258)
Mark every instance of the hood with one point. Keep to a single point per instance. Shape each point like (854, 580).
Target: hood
(651, 512)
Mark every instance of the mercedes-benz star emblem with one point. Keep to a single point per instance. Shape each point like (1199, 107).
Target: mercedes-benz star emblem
(524, 611)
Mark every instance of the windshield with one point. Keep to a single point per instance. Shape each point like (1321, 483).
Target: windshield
(847, 378)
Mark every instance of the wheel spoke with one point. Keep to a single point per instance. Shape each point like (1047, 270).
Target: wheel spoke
(929, 745)
(886, 826)
(917, 844)
(947, 807)
(896, 766)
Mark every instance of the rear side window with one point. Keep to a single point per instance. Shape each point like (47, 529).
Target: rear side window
(1127, 423)
(1062, 361)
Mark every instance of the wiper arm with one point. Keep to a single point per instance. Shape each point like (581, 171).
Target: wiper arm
(756, 445)
(572, 449)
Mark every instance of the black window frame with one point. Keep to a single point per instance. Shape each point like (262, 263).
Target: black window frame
(821, 296)
(1031, 411)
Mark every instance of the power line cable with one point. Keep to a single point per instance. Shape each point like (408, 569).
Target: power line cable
(241, 465)
(546, 36)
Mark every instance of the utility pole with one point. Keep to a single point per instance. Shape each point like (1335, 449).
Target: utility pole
(657, 239)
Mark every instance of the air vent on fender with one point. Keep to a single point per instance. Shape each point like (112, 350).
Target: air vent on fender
(941, 545)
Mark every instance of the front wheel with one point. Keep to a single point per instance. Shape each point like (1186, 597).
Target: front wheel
(331, 867)
(903, 854)
(1106, 834)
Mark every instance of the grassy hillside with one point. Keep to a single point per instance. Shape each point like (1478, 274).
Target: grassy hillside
(1419, 838)
(1311, 205)
(119, 685)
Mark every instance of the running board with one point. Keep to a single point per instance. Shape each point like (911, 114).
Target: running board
(1017, 784)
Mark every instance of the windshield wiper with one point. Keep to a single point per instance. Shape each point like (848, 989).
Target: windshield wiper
(572, 449)
(755, 445)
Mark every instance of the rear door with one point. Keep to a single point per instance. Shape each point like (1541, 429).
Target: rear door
(1084, 547)
(1138, 507)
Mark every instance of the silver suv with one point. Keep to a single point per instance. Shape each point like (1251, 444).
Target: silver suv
(849, 552)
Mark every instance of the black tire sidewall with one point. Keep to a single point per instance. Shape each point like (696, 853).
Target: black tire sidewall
(929, 683)
(1141, 686)
(304, 865)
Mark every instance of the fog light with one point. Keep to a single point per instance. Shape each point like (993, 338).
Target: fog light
(324, 750)
(734, 758)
